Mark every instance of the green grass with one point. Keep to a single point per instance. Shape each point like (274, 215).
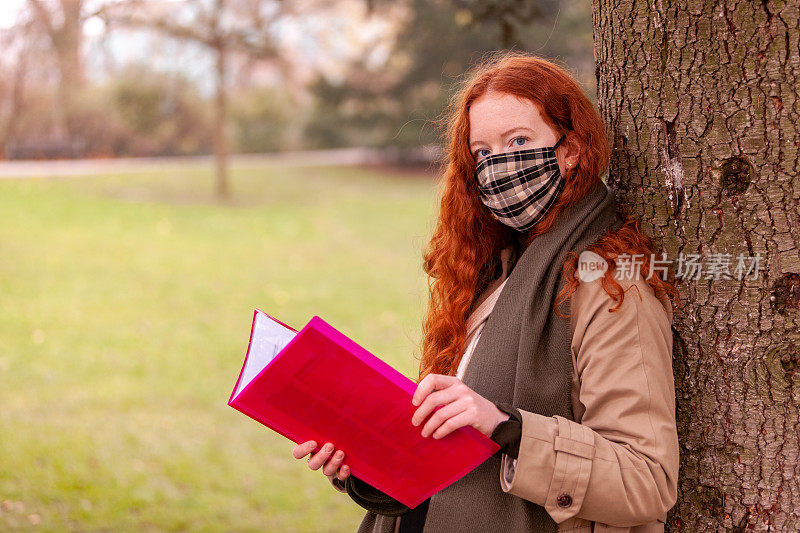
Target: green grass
(125, 308)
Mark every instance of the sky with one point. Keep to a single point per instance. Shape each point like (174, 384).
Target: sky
(8, 11)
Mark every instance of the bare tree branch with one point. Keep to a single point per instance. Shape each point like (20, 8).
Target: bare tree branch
(225, 26)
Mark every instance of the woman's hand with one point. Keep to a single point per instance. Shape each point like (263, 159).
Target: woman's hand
(462, 406)
(331, 466)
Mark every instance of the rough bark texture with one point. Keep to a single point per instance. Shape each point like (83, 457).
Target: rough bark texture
(701, 99)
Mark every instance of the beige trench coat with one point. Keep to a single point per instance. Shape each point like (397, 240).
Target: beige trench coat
(618, 462)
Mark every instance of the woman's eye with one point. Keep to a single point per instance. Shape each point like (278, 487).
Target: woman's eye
(523, 139)
(479, 153)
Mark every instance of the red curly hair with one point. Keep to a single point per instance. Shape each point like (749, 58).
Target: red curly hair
(462, 255)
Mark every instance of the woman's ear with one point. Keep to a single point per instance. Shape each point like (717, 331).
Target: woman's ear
(571, 152)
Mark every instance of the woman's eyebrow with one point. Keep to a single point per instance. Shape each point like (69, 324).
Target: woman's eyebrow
(506, 133)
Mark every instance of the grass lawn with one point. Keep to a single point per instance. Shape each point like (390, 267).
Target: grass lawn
(125, 308)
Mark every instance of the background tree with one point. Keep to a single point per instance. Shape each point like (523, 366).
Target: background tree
(33, 109)
(437, 42)
(62, 22)
(224, 27)
(512, 18)
(701, 98)
(13, 75)
(154, 113)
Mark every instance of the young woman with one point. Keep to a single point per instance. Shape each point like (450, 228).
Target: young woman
(568, 369)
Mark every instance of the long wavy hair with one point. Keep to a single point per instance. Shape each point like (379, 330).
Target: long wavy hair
(463, 254)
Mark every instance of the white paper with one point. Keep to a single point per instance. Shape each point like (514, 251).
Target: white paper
(269, 338)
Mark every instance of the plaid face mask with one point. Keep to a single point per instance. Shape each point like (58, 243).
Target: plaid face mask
(520, 187)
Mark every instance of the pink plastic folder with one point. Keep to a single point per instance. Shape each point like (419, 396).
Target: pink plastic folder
(317, 384)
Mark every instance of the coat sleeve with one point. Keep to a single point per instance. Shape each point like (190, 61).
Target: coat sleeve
(619, 465)
(368, 497)
(373, 499)
(338, 484)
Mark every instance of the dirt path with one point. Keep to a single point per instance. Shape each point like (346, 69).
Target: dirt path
(94, 167)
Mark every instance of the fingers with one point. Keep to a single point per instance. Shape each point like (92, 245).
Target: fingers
(343, 472)
(435, 399)
(319, 458)
(452, 424)
(442, 415)
(430, 383)
(332, 466)
(303, 449)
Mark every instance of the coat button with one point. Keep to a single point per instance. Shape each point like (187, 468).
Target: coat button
(564, 500)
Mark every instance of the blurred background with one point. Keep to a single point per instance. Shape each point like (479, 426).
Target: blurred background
(167, 166)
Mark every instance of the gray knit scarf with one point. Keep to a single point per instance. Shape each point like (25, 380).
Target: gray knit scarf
(522, 358)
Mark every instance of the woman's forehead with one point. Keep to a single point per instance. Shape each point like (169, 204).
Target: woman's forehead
(493, 114)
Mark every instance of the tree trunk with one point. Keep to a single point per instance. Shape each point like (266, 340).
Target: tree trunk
(64, 29)
(68, 44)
(221, 127)
(16, 98)
(701, 98)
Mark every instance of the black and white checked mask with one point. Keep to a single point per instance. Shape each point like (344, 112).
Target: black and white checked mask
(520, 187)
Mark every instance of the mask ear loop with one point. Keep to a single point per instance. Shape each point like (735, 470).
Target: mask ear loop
(569, 166)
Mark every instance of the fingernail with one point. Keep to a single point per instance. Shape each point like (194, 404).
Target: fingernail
(313, 444)
(339, 455)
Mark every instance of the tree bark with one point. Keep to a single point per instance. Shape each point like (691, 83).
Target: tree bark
(701, 98)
